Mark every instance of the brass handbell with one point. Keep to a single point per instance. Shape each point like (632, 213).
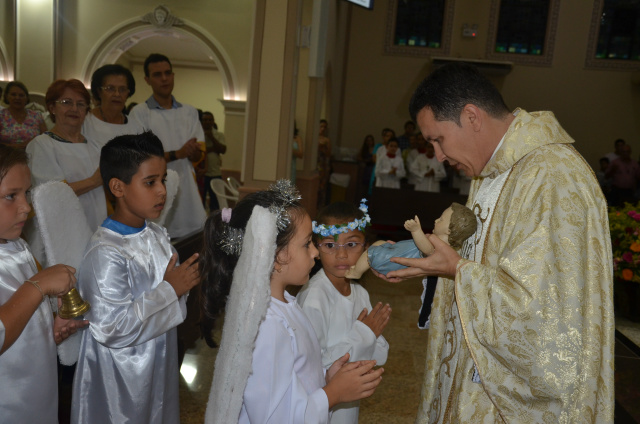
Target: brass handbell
(73, 305)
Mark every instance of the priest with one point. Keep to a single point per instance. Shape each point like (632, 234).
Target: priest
(522, 326)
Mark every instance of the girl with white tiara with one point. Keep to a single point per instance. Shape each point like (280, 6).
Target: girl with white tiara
(28, 331)
(269, 367)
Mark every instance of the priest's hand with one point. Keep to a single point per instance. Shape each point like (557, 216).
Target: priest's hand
(442, 262)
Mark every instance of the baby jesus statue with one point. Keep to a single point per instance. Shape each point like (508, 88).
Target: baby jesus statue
(456, 224)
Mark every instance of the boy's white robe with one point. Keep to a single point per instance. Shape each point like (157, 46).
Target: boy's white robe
(334, 319)
(127, 371)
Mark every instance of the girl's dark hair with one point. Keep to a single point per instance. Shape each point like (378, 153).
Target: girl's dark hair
(217, 267)
(338, 211)
(122, 156)
(10, 157)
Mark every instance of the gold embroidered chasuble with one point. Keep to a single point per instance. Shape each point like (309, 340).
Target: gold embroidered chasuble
(531, 308)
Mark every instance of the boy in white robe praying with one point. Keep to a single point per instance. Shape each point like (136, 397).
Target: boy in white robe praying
(339, 309)
(127, 370)
(390, 167)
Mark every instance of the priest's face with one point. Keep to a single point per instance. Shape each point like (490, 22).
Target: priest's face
(452, 142)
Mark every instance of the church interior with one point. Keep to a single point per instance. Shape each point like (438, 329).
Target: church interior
(265, 67)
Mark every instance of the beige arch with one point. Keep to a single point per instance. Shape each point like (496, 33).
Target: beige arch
(113, 44)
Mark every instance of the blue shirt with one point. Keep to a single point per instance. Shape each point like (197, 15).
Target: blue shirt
(152, 103)
(121, 228)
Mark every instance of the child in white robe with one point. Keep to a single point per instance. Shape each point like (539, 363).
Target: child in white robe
(339, 309)
(127, 369)
(276, 377)
(427, 171)
(28, 331)
(390, 167)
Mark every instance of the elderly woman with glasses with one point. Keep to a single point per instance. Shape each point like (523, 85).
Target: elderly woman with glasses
(63, 154)
(111, 86)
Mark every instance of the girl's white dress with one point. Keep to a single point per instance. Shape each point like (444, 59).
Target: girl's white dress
(28, 369)
(334, 319)
(287, 375)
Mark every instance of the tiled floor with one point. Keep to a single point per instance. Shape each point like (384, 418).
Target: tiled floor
(396, 400)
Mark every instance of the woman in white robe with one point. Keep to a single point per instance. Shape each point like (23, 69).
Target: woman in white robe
(63, 154)
(111, 86)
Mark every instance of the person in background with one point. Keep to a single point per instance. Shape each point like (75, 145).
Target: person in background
(427, 171)
(296, 152)
(64, 154)
(215, 145)
(624, 173)
(367, 160)
(404, 142)
(111, 86)
(179, 129)
(617, 145)
(19, 125)
(420, 148)
(390, 167)
(380, 150)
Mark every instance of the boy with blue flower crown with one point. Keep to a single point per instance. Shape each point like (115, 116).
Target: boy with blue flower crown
(340, 310)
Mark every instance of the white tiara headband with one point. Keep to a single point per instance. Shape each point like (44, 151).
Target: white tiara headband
(286, 195)
(334, 230)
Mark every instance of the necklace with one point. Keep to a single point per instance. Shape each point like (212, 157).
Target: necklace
(104, 118)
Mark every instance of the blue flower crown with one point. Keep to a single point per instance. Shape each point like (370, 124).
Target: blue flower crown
(334, 230)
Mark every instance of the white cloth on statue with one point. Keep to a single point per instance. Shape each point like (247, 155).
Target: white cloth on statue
(420, 166)
(28, 369)
(286, 384)
(99, 132)
(334, 319)
(128, 365)
(53, 160)
(174, 127)
(383, 168)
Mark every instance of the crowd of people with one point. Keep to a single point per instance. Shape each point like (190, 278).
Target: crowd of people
(407, 161)
(520, 312)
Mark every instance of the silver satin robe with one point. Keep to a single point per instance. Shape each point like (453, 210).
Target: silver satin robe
(28, 369)
(127, 371)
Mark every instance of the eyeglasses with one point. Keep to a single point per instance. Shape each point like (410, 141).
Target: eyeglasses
(70, 103)
(111, 89)
(330, 247)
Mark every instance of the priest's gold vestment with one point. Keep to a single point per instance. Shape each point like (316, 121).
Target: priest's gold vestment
(530, 307)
